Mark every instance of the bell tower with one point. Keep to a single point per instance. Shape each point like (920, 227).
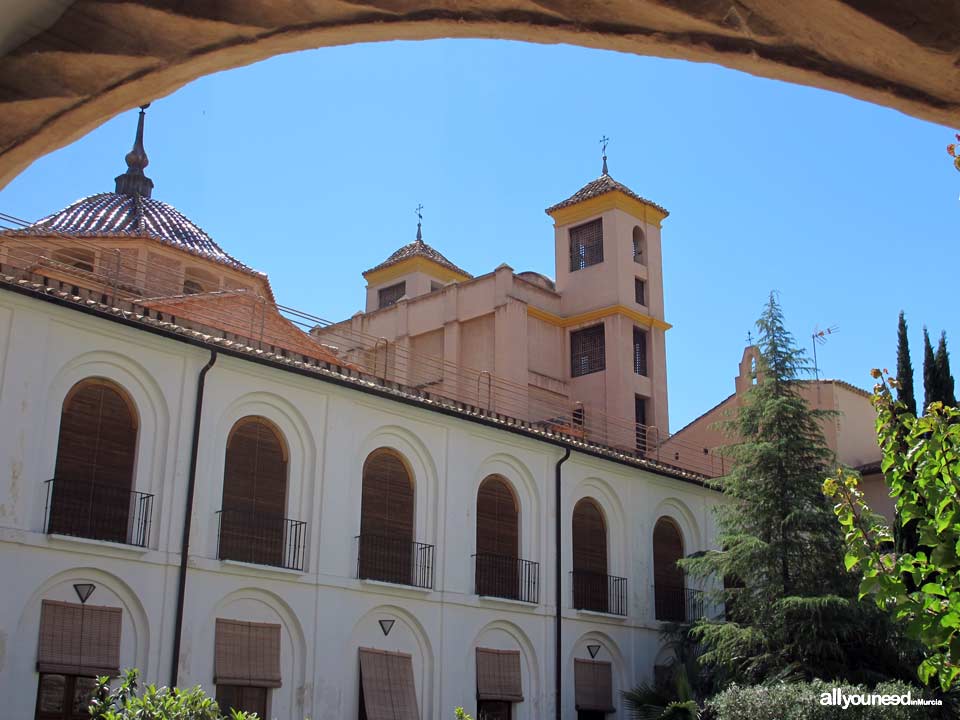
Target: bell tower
(610, 278)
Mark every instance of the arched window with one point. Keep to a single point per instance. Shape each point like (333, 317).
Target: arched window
(670, 601)
(639, 246)
(498, 539)
(386, 520)
(96, 451)
(252, 523)
(590, 582)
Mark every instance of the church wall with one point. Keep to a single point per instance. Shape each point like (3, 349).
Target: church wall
(325, 613)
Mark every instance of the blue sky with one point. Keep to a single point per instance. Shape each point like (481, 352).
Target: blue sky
(309, 167)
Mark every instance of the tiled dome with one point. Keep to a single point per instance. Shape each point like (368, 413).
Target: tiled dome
(136, 216)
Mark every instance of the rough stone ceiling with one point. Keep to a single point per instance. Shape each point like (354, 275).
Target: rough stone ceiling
(66, 74)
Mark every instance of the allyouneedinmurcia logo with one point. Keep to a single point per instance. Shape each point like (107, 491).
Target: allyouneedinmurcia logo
(844, 700)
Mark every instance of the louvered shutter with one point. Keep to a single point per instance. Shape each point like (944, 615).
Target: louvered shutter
(590, 582)
(386, 519)
(96, 452)
(254, 494)
(669, 595)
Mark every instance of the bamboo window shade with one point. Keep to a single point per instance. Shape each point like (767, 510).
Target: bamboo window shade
(387, 497)
(667, 549)
(593, 686)
(497, 519)
(98, 436)
(79, 640)
(387, 685)
(255, 468)
(589, 538)
(247, 653)
(498, 675)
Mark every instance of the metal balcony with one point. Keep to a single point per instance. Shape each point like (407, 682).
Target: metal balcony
(261, 538)
(395, 560)
(101, 512)
(507, 577)
(599, 592)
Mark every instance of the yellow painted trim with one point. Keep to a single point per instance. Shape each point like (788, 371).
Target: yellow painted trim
(613, 200)
(417, 263)
(564, 322)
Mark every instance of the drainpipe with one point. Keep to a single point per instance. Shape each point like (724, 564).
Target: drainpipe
(188, 517)
(558, 581)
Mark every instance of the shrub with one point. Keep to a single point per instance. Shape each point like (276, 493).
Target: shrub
(127, 703)
(801, 701)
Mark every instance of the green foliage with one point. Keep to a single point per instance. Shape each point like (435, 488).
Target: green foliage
(941, 361)
(461, 715)
(921, 462)
(801, 701)
(905, 368)
(931, 382)
(790, 612)
(126, 703)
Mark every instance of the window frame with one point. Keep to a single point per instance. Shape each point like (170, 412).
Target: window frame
(640, 291)
(641, 360)
(390, 301)
(586, 244)
(581, 362)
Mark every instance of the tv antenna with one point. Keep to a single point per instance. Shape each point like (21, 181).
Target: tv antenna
(819, 337)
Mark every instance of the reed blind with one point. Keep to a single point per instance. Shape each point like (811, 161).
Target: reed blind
(79, 640)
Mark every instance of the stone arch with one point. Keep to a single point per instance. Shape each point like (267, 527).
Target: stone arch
(256, 605)
(53, 102)
(152, 417)
(610, 652)
(408, 636)
(679, 512)
(511, 637)
(608, 500)
(526, 492)
(422, 468)
(135, 635)
(303, 479)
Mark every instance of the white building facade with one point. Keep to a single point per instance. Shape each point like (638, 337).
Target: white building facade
(199, 489)
(325, 614)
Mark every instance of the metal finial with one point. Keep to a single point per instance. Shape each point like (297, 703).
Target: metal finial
(749, 338)
(133, 181)
(603, 141)
(419, 212)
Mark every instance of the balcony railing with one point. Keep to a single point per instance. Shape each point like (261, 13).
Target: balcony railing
(261, 538)
(101, 512)
(507, 577)
(395, 560)
(599, 592)
(677, 604)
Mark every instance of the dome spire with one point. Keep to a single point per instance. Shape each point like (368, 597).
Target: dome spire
(603, 141)
(133, 181)
(419, 212)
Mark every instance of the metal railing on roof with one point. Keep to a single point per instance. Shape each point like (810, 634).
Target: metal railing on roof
(154, 289)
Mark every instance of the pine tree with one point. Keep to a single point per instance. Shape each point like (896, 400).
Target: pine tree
(792, 609)
(944, 378)
(931, 385)
(905, 392)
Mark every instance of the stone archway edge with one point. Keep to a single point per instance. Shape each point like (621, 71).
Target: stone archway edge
(102, 57)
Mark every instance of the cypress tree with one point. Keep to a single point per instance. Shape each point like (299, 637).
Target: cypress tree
(905, 392)
(791, 609)
(944, 378)
(931, 385)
